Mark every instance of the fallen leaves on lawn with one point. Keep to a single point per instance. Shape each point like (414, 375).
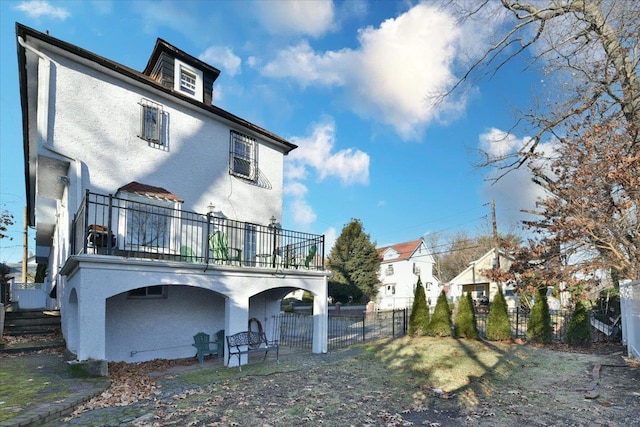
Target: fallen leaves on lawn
(130, 383)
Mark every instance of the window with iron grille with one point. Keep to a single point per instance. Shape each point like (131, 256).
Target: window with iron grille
(150, 121)
(242, 156)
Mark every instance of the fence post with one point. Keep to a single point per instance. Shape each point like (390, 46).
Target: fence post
(517, 321)
(110, 226)
(393, 323)
(364, 317)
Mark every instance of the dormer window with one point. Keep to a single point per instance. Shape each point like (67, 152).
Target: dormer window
(188, 80)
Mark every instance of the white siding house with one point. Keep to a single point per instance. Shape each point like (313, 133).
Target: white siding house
(156, 212)
(400, 266)
(474, 280)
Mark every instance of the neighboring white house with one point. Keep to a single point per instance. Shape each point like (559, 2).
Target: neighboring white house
(400, 266)
(473, 279)
(156, 211)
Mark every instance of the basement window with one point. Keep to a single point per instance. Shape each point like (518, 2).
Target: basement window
(148, 292)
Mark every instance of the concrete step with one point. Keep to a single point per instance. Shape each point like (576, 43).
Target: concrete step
(31, 322)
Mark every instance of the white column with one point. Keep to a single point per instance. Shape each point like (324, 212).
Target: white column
(320, 319)
(236, 318)
(91, 327)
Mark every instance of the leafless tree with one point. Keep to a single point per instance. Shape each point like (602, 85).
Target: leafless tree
(584, 148)
(586, 49)
(593, 184)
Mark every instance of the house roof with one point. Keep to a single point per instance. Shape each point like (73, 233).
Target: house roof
(404, 250)
(484, 262)
(150, 191)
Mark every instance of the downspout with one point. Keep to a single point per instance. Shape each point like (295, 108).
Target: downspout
(44, 88)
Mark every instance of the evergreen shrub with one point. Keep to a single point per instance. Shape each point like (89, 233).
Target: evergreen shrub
(498, 323)
(419, 318)
(539, 327)
(466, 323)
(440, 324)
(579, 330)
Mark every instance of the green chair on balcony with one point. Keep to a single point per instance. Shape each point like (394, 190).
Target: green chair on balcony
(312, 253)
(219, 245)
(186, 254)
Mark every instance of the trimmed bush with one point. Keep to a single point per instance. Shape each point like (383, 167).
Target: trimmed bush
(579, 330)
(498, 323)
(539, 327)
(440, 324)
(466, 323)
(419, 318)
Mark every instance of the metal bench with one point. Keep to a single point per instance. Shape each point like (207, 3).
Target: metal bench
(250, 342)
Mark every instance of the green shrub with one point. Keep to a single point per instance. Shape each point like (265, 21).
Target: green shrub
(579, 330)
(466, 323)
(440, 324)
(498, 323)
(539, 327)
(419, 318)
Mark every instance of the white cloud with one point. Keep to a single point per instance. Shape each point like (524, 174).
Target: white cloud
(302, 213)
(350, 166)
(497, 143)
(397, 69)
(307, 67)
(316, 153)
(37, 9)
(295, 189)
(222, 56)
(312, 18)
(515, 191)
(330, 237)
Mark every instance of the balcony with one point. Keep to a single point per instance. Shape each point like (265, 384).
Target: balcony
(113, 226)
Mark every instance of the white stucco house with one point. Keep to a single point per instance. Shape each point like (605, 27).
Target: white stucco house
(156, 212)
(400, 266)
(473, 279)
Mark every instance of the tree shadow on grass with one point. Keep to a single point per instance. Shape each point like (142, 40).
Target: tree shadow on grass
(443, 368)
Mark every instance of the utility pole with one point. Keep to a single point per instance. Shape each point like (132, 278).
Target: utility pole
(496, 248)
(25, 246)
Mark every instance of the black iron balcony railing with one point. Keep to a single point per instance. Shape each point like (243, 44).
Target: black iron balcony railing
(110, 225)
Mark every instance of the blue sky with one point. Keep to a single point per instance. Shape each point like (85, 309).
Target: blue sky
(348, 82)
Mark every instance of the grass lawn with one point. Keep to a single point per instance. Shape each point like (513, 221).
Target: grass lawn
(405, 381)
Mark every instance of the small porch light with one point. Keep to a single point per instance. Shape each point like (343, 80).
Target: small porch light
(210, 208)
(272, 221)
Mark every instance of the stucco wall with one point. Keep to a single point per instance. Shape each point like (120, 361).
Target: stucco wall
(97, 120)
(142, 328)
(107, 325)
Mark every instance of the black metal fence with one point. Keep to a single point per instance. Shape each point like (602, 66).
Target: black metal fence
(296, 329)
(520, 319)
(109, 225)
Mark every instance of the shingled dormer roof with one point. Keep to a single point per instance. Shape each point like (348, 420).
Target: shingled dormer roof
(150, 191)
(404, 250)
